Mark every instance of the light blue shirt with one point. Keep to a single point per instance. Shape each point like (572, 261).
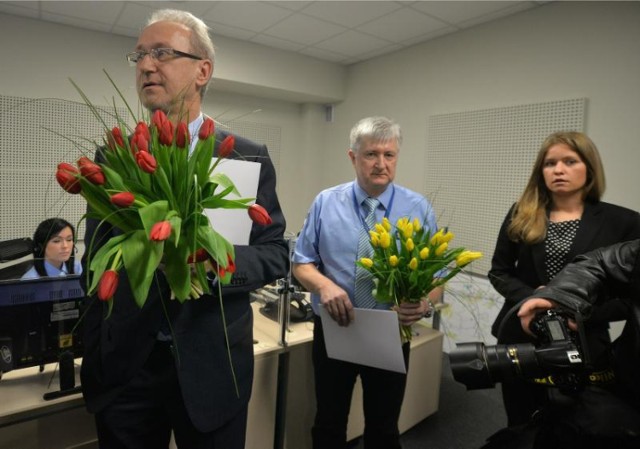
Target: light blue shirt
(329, 236)
(53, 271)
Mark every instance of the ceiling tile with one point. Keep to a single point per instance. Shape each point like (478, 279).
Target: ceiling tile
(304, 29)
(271, 41)
(402, 24)
(350, 13)
(254, 16)
(325, 55)
(77, 22)
(220, 29)
(292, 5)
(520, 6)
(352, 43)
(98, 12)
(460, 11)
(25, 9)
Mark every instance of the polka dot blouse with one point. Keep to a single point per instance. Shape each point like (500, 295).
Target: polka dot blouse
(560, 237)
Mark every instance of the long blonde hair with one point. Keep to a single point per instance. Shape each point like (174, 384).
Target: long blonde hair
(529, 217)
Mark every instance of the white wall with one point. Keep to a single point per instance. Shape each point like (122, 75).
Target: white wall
(558, 51)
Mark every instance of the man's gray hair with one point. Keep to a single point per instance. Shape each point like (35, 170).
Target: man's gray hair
(376, 129)
(201, 43)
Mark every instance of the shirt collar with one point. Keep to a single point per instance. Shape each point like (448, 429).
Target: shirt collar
(194, 128)
(384, 198)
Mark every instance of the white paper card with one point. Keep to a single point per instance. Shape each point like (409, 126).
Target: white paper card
(372, 339)
(235, 224)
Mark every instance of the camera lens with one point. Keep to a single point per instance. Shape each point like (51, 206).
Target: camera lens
(478, 366)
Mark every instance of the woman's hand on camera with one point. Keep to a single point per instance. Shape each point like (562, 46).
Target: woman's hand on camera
(530, 309)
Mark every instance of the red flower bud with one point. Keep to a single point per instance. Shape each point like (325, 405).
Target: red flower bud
(226, 147)
(166, 133)
(207, 128)
(139, 143)
(146, 161)
(159, 118)
(231, 265)
(259, 215)
(143, 129)
(67, 177)
(122, 199)
(107, 285)
(91, 171)
(199, 256)
(115, 138)
(160, 231)
(182, 135)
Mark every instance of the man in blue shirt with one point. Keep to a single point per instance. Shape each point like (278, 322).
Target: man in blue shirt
(324, 263)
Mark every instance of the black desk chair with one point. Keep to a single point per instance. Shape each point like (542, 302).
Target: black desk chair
(15, 249)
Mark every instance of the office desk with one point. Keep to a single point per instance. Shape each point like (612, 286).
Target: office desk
(29, 422)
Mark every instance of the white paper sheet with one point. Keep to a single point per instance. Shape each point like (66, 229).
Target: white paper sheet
(235, 224)
(372, 339)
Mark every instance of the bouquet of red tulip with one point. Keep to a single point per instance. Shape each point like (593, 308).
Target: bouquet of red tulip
(155, 192)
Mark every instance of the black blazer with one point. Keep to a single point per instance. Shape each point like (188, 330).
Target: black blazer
(116, 348)
(517, 269)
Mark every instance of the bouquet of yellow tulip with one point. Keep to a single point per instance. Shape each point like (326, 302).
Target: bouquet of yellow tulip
(408, 262)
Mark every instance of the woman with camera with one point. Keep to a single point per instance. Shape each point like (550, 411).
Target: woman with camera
(558, 216)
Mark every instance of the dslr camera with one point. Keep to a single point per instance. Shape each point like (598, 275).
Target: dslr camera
(557, 358)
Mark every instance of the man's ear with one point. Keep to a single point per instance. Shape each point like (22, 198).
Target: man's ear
(205, 72)
(352, 156)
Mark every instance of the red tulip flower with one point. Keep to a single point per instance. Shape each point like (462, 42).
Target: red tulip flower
(259, 215)
(143, 129)
(164, 127)
(67, 177)
(182, 135)
(91, 171)
(139, 143)
(115, 138)
(122, 199)
(226, 147)
(199, 256)
(160, 231)
(107, 285)
(146, 161)
(207, 129)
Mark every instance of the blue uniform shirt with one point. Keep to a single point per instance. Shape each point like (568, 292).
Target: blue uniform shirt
(329, 236)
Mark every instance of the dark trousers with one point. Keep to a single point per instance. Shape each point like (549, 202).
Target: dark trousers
(144, 414)
(383, 392)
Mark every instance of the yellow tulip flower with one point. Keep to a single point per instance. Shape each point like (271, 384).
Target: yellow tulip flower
(407, 231)
(409, 244)
(424, 253)
(393, 261)
(385, 240)
(441, 249)
(379, 228)
(466, 257)
(368, 263)
(413, 264)
(416, 224)
(435, 239)
(386, 224)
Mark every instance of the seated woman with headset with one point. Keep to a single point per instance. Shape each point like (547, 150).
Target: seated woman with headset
(53, 250)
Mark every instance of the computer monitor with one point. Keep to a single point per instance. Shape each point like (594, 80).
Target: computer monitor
(39, 320)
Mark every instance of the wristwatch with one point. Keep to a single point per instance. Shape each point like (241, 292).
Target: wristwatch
(430, 310)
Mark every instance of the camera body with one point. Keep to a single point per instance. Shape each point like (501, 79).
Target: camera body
(556, 359)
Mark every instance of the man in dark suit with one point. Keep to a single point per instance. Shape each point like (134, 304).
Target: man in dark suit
(166, 367)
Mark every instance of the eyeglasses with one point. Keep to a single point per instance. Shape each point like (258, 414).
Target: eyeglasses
(158, 54)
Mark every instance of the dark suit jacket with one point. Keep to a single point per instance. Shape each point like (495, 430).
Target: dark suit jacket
(517, 269)
(116, 348)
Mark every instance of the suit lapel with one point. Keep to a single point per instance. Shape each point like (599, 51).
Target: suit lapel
(590, 225)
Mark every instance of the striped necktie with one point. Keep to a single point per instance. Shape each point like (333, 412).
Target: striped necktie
(364, 280)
